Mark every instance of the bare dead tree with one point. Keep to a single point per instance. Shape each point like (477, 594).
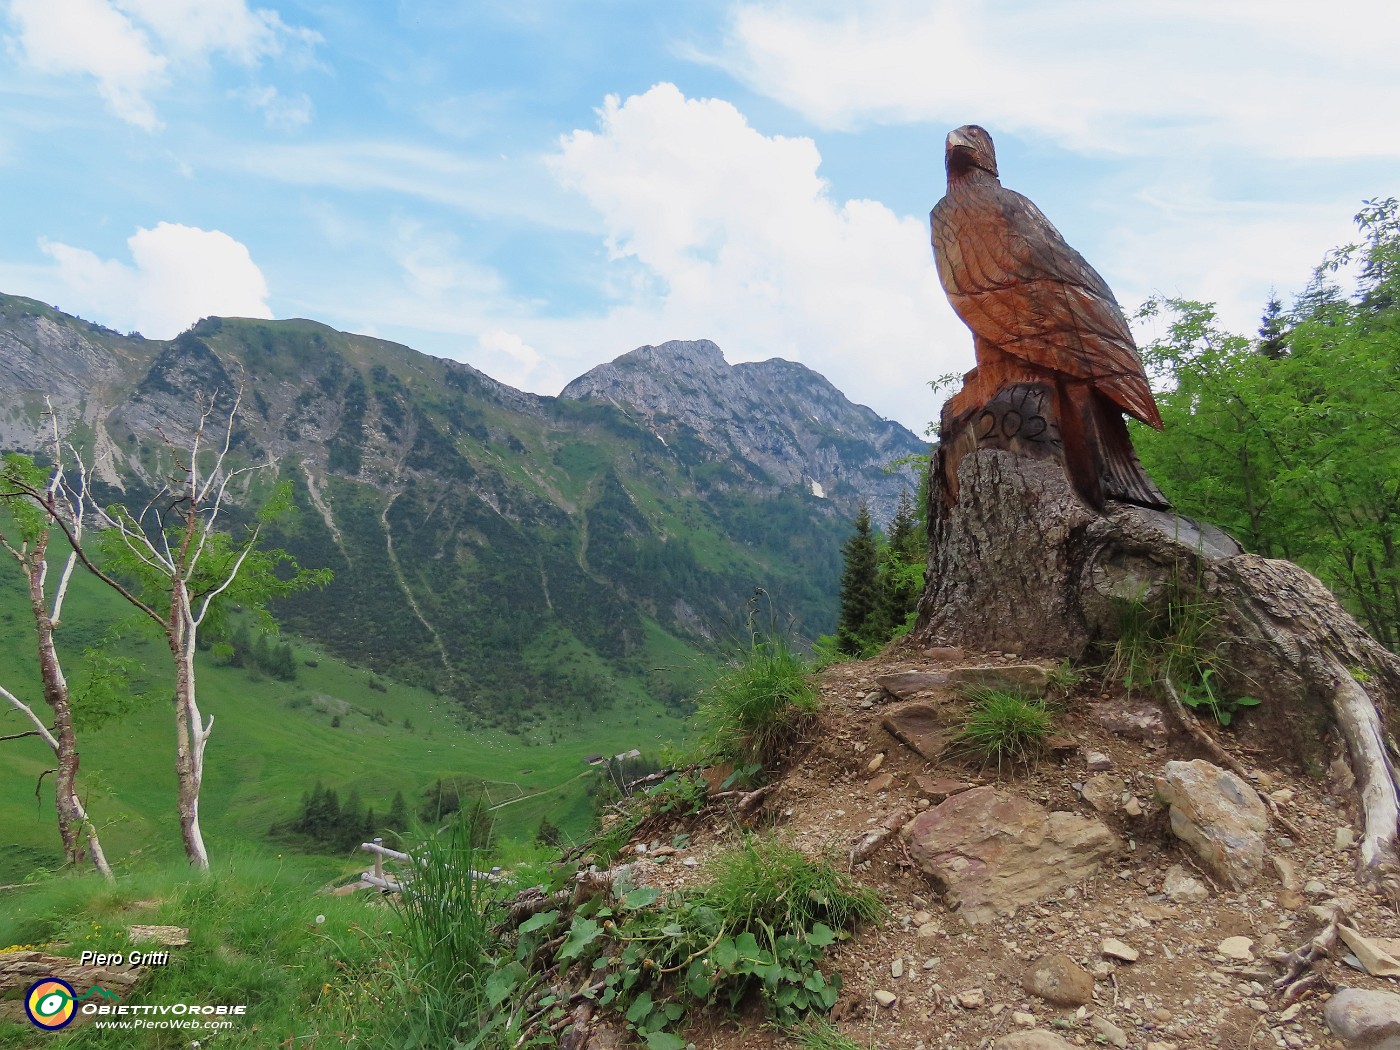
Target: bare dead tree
(30, 549)
(182, 565)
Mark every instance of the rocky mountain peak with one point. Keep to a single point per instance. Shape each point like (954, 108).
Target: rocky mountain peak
(784, 423)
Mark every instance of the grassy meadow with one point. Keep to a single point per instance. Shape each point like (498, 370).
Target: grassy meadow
(272, 740)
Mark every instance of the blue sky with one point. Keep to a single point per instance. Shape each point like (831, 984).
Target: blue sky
(535, 187)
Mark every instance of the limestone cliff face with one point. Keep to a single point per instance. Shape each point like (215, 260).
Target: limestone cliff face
(781, 423)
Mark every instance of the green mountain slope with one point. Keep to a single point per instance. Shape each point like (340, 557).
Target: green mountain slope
(528, 558)
(273, 740)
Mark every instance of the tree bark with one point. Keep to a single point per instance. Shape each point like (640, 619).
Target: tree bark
(74, 825)
(191, 734)
(1019, 563)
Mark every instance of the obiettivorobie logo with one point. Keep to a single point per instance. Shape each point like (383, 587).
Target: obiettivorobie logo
(52, 1003)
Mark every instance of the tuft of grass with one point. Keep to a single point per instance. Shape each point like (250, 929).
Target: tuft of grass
(817, 1033)
(1004, 727)
(1175, 642)
(758, 707)
(1063, 677)
(765, 882)
(440, 973)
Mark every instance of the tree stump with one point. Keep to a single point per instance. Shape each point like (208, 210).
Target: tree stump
(1018, 562)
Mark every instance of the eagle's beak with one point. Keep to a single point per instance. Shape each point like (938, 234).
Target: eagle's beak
(956, 138)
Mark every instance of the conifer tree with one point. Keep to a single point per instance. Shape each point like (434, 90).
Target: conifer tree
(548, 834)
(261, 655)
(901, 571)
(860, 587)
(1273, 332)
(282, 665)
(397, 820)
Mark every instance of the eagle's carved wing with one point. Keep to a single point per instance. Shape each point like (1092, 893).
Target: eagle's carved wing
(1015, 282)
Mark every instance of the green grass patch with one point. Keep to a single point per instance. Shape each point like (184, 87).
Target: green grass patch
(756, 708)
(260, 935)
(272, 740)
(1004, 727)
(767, 883)
(1176, 641)
(817, 1033)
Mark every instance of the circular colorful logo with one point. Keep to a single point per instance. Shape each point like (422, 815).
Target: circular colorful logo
(50, 1005)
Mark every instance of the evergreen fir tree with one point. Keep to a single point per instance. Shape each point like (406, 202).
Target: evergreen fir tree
(350, 828)
(397, 820)
(261, 653)
(241, 643)
(860, 587)
(1273, 332)
(548, 834)
(282, 665)
(901, 570)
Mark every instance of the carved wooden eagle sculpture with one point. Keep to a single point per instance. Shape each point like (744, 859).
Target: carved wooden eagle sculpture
(1040, 314)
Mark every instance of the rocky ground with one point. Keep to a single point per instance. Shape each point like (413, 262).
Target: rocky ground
(1056, 902)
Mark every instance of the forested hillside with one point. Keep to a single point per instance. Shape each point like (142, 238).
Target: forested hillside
(522, 555)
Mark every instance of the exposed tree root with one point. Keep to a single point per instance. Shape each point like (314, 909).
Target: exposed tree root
(1017, 561)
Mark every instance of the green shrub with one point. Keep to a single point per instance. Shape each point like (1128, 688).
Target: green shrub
(759, 925)
(758, 707)
(1004, 727)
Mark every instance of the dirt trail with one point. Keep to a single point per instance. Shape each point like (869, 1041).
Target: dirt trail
(1181, 992)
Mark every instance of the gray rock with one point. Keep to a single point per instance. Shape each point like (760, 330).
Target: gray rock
(908, 684)
(1108, 1031)
(1105, 792)
(992, 852)
(1136, 720)
(1364, 1020)
(1116, 949)
(1036, 1039)
(939, 788)
(972, 999)
(1097, 762)
(1060, 980)
(1182, 887)
(1027, 679)
(920, 728)
(1219, 816)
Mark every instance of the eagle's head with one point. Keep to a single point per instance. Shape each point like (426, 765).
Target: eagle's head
(970, 147)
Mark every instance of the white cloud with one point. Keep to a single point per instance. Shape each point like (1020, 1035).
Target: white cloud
(131, 47)
(177, 275)
(507, 357)
(283, 112)
(196, 28)
(739, 240)
(493, 186)
(1285, 78)
(434, 271)
(94, 38)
